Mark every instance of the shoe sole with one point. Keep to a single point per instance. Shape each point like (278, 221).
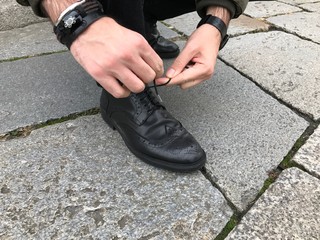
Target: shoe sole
(154, 161)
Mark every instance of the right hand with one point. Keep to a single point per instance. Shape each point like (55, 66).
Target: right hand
(119, 59)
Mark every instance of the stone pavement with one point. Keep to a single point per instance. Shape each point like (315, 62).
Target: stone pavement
(65, 175)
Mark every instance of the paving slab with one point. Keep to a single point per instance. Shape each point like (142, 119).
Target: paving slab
(263, 9)
(245, 132)
(29, 41)
(185, 23)
(313, 7)
(300, 23)
(289, 209)
(77, 180)
(13, 15)
(166, 32)
(37, 89)
(283, 64)
(309, 154)
(245, 24)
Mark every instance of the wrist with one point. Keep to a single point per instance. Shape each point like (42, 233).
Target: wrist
(217, 24)
(54, 8)
(220, 12)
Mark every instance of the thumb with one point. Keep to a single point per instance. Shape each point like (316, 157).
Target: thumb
(179, 64)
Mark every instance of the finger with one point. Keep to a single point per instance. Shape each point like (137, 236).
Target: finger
(113, 86)
(130, 80)
(190, 84)
(193, 73)
(143, 71)
(180, 63)
(153, 60)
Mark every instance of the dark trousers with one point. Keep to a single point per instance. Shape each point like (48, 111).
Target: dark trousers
(132, 14)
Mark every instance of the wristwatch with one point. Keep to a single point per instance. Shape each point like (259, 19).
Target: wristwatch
(77, 18)
(219, 24)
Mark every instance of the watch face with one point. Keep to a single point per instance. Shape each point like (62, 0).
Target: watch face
(71, 19)
(69, 22)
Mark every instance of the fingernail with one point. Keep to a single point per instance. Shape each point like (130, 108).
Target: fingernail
(170, 73)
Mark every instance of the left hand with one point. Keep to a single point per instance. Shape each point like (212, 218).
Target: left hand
(197, 60)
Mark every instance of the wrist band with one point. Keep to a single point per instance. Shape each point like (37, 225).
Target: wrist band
(218, 24)
(70, 8)
(76, 19)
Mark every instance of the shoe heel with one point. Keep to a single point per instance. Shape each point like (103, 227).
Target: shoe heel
(107, 119)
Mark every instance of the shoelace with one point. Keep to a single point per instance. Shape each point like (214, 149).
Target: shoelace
(155, 88)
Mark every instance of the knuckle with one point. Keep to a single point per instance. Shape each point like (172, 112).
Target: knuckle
(126, 55)
(110, 63)
(97, 72)
(209, 71)
(159, 69)
(139, 41)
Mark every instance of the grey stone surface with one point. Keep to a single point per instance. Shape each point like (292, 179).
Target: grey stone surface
(40, 88)
(283, 64)
(313, 7)
(299, 23)
(28, 41)
(13, 15)
(245, 132)
(289, 209)
(309, 154)
(77, 180)
(245, 24)
(263, 9)
(166, 32)
(186, 23)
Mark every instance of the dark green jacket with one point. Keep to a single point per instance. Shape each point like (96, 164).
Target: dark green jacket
(236, 7)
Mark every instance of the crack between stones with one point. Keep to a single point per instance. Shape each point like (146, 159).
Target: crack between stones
(25, 131)
(182, 36)
(297, 5)
(31, 56)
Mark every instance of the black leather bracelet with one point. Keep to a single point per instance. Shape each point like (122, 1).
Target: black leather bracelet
(218, 24)
(77, 20)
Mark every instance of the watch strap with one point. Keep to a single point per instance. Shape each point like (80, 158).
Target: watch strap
(77, 20)
(219, 24)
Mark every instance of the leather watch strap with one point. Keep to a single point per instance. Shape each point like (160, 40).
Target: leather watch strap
(219, 24)
(77, 20)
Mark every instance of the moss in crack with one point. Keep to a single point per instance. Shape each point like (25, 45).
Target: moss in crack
(272, 177)
(30, 56)
(73, 116)
(228, 228)
(25, 131)
(17, 133)
(287, 161)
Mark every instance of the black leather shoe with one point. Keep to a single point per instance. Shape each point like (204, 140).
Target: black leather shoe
(151, 133)
(162, 46)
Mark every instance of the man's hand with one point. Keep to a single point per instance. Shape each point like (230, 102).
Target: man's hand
(197, 60)
(119, 59)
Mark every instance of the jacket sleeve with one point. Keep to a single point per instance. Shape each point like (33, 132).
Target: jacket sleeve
(236, 7)
(35, 4)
